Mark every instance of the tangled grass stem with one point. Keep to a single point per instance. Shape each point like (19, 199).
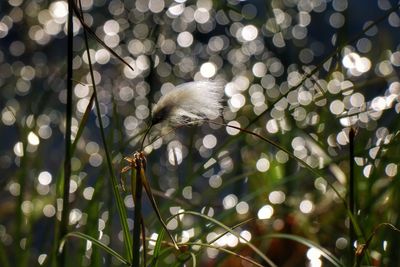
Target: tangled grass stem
(144, 137)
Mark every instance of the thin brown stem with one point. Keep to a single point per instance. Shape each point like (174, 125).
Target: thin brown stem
(137, 196)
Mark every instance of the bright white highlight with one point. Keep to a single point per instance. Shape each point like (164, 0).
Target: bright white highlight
(44, 178)
(246, 235)
(209, 141)
(262, 165)
(59, 9)
(249, 32)
(33, 139)
(229, 201)
(233, 131)
(357, 65)
(277, 197)
(265, 212)
(208, 70)
(306, 206)
(19, 149)
(314, 254)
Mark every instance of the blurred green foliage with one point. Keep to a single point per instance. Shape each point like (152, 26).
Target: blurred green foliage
(299, 75)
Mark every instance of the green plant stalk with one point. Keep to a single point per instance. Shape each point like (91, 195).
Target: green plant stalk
(79, 15)
(67, 160)
(18, 212)
(82, 124)
(157, 250)
(309, 75)
(228, 229)
(352, 201)
(114, 183)
(222, 235)
(120, 206)
(205, 245)
(153, 203)
(300, 161)
(4, 258)
(95, 242)
(352, 218)
(324, 252)
(136, 189)
(144, 240)
(364, 247)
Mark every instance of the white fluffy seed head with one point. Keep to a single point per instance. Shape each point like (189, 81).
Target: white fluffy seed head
(189, 103)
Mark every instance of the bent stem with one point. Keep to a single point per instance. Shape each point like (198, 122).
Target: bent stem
(362, 248)
(149, 193)
(144, 137)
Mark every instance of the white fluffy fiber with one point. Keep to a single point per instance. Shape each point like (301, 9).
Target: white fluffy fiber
(190, 103)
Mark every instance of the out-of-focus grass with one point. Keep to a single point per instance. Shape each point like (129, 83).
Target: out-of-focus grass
(206, 217)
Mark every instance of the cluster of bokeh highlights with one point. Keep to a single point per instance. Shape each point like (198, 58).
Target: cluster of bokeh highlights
(263, 51)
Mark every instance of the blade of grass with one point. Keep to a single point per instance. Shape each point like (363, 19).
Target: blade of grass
(311, 169)
(4, 258)
(194, 262)
(143, 227)
(223, 234)
(67, 158)
(157, 249)
(300, 161)
(22, 182)
(82, 124)
(352, 202)
(136, 189)
(324, 252)
(226, 251)
(120, 205)
(307, 76)
(206, 245)
(363, 248)
(154, 205)
(228, 229)
(95, 242)
(79, 15)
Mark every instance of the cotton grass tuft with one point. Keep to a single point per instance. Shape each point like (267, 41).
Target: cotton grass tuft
(189, 103)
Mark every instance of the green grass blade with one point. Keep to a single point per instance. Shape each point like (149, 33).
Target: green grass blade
(157, 249)
(324, 252)
(95, 242)
(79, 14)
(155, 206)
(68, 138)
(228, 229)
(194, 262)
(364, 247)
(205, 245)
(3, 256)
(136, 191)
(307, 76)
(354, 222)
(82, 124)
(120, 204)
